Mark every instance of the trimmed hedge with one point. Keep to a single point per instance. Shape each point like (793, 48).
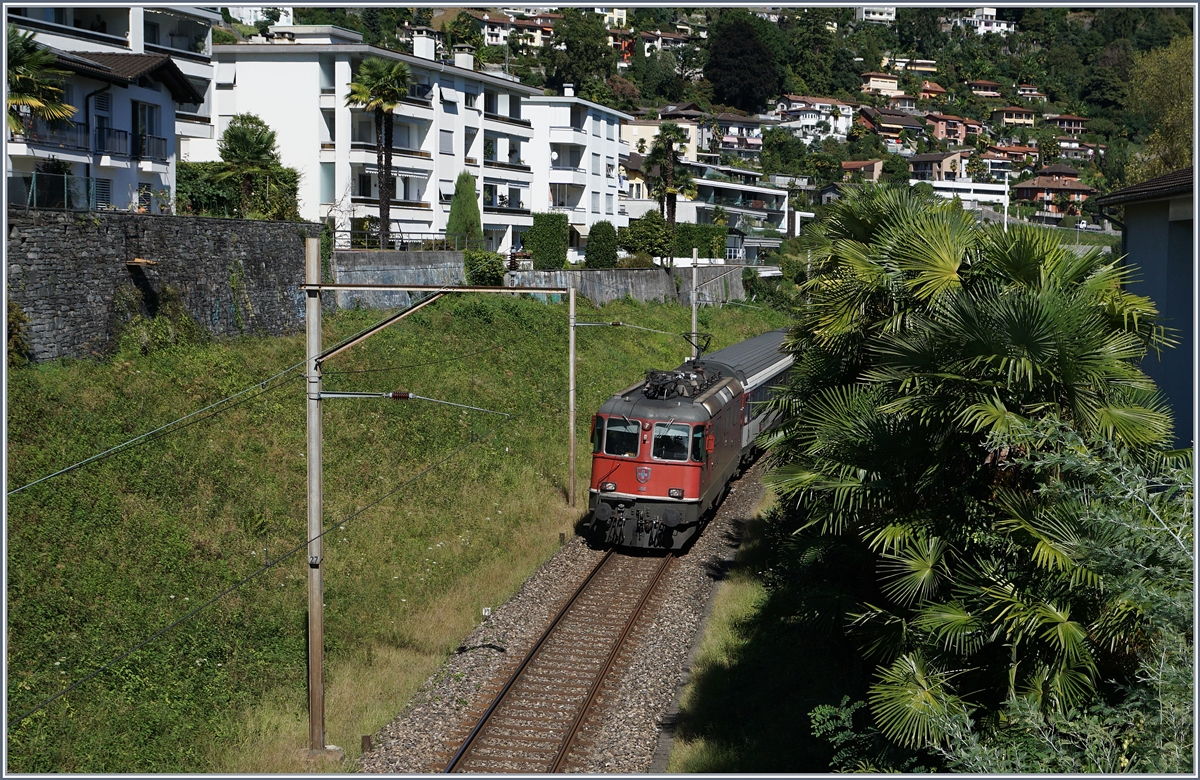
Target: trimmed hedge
(483, 268)
(547, 241)
(708, 239)
(650, 234)
(601, 249)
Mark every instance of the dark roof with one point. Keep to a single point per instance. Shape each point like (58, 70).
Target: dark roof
(128, 68)
(1050, 183)
(1058, 168)
(1174, 183)
(932, 157)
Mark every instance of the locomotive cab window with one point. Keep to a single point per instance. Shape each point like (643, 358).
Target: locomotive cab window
(670, 441)
(698, 444)
(622, 437)
(597, 433)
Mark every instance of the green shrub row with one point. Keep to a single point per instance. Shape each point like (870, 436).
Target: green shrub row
(547, 241)
(709, 240)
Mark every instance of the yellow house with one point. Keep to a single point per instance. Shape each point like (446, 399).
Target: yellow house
(881, 84)
(1013, 116)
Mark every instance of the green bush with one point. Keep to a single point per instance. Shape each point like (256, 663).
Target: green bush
(198, 192)
(650, 234)
(483, 268)
(602, 246)
(223, 37)
(636, 260)
(547, 241)
(708, 239)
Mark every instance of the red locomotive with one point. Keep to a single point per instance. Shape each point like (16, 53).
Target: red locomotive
(664, 449)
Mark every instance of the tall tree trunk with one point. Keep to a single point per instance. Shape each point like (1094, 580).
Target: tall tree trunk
(247, 190)
(670, 175)
(388, 118)
(385, 197)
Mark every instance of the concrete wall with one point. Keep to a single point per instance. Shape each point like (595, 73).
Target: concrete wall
(390, 267)
(234, 276)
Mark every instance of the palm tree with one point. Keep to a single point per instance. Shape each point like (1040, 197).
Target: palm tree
(665, 153)
(248, 150)
(924, 338)
(380, 86)
(33, 82)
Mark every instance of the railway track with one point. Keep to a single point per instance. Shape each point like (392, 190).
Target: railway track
(535, 720)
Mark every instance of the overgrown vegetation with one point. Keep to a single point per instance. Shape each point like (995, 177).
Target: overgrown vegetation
(20, 350)
(107, 555)
(483, 267)
(249, 182)
(547, 241)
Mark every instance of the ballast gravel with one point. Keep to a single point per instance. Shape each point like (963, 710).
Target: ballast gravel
(631, 732)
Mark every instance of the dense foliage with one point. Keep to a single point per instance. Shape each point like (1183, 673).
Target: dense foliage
(943, 370)
(601, 250)
(708, 239)
(649, 234)
(547, 241)
(464, 223)
(483, 268)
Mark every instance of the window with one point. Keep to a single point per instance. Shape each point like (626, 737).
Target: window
(622, 437)
(469, 99)
(597, 433)
(608, 203)
(145, 193)
(610, 168)
(364, 185)
(595, 164)
(698, 443)
(609, 128)
(670, 441)
(447, 146)
(328, 190)
(595, 203)
(103, 192)
(595, 125)
(514, 106)
(489, 102)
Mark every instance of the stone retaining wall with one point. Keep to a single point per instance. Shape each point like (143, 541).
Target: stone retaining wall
(234, 276)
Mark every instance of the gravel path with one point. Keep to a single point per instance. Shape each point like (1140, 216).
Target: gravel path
(641, 703)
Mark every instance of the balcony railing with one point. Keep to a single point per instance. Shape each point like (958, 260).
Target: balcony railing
(402, 240)
(369, 146)
(63, 135)
(516, 120)
(52, 191)
(495, 208)
(373, 200)
(512, 166)
(112, 141)
(149, 147)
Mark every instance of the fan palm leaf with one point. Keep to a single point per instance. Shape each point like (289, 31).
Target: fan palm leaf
(911, 702)
(34, 83)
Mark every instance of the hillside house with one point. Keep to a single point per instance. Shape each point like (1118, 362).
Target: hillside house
(863, 170)
(984, 21)
(955, 129)
(987, 89)
(881, 84)
(937, 166)
(875, 14)
(931, 90)
(902, 102)
(1068, 123)
(1054, 195)
(1071, 148)
(1030, 93)
(1013, 116)
(889, 123)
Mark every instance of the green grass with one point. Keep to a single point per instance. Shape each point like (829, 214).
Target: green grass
(105, 556)
(767, 658)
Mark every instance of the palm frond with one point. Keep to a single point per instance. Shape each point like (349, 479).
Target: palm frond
(911, 702)
(913, 573)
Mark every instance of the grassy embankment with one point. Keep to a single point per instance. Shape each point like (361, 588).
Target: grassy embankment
(105, 556)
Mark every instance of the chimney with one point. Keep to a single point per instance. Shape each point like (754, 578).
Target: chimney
(568, 90)
(424, 45)
(464, 56)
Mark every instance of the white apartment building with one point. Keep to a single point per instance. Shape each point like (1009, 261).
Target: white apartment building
(984, 21)
(750, 205)
(815, 118)
(140, 80)
(251, 14)
(875, 14)
(454, 119)
(971, 194)
(576, 154)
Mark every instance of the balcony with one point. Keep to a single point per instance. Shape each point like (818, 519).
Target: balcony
(574, 136)
(512, 120)
(59, 135)
(149, 147)
(52, 191)
(112, 142)
(373, 200)
(568, 174)
(497, 208)
(510, 166)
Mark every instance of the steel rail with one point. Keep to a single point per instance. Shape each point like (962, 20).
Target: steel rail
(569, 742)
(467, 743)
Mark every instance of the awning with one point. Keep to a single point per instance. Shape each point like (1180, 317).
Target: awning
(446, 188)
(226, 74)
(449, 94)
(582, 230)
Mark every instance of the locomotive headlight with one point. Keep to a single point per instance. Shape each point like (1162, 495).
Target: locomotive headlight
(675, 492)
(608, 487)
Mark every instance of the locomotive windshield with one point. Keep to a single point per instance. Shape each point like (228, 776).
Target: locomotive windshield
(597, 433)
(698, 443)
(622, 438)
(670, 441)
